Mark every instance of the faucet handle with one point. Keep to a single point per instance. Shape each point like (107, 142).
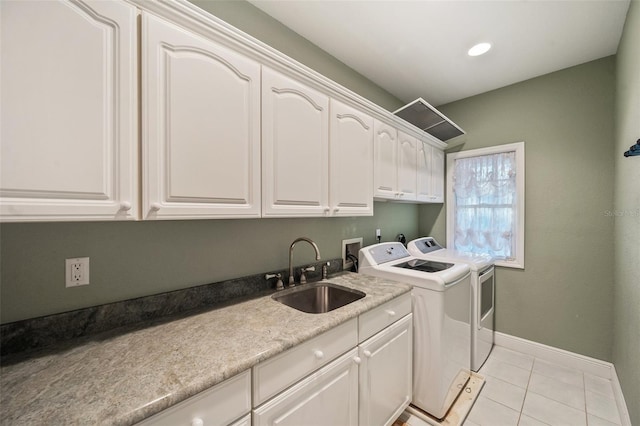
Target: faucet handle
(279, 283)
(303, 278)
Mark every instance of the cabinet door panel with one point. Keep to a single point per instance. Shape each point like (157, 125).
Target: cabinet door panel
(351, 152)
(385, 166)
(202, 146)
(407, 176)
(386, 374)
(430, 173)
(295, 125)
(437, 175)
(424, 171)
(69, 111)
(327, 397)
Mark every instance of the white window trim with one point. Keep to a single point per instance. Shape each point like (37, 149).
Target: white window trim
(518, 148)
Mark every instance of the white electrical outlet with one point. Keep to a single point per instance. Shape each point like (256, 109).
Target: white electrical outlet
(77, 271)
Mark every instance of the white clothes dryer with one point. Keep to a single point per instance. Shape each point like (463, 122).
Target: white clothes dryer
(441, 297)
(482, 289)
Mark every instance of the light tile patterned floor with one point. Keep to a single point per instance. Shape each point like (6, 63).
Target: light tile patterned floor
(521, 390)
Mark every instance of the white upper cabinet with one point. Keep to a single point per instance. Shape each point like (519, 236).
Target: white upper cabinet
(395, 162)
(430, 173)
(201, 126)
(351, 161)
(68, 147)
(295, 141)
(229, 128)
(437, 175)
(407, 167)
(385, 166)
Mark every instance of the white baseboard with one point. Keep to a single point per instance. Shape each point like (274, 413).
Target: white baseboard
(565, 358)
(589, 365)
(620, 402)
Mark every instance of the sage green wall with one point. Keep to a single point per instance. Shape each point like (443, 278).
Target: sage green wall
(142, 258)
(626, 319)
(253, 21)
(564, 297)
(135, 259)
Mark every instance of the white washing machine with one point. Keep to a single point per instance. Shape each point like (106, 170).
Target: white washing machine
(441, 321)
(482, 289)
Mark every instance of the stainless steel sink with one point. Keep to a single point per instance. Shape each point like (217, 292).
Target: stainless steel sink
(317, 298)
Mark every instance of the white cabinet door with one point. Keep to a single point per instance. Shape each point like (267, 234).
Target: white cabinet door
(407, 167)
(69, 133)
(385, 163)
(430, 173)
(425, 152)
(245, 421)
(437, 175)
(351, 161)
(295, 140)
(386, 374)
(201, 134)
(327, 397)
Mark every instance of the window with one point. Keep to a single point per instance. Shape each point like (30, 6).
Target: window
(485, 202)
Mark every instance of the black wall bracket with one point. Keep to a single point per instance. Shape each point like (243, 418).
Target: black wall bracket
(633, 150)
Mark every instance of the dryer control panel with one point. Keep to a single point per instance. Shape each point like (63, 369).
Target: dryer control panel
(427, 245)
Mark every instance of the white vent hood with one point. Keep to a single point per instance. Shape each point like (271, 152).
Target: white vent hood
(425, 117)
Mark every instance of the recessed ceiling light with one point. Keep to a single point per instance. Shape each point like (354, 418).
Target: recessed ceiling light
(479, 49)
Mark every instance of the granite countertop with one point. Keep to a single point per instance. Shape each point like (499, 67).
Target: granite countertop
(126, 375)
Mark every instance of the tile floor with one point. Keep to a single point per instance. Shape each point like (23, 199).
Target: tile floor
(521, 390)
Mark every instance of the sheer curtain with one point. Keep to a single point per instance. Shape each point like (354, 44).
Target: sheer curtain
(485, 204)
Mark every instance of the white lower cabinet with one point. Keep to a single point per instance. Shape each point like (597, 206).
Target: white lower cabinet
(368, 385)
(245, 421)
(227, 403)
(327, 397)
(359, 373)
(386, 374)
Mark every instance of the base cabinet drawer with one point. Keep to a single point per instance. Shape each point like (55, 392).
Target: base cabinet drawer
(282, 371)
(383, 316)
(327, 397)
(220, 405)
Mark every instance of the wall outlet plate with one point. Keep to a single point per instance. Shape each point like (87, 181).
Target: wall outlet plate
(352, 246)
(76, 271)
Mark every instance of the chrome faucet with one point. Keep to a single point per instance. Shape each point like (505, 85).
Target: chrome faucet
(315, 247)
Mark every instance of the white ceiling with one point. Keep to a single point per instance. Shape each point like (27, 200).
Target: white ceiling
(419, 48)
